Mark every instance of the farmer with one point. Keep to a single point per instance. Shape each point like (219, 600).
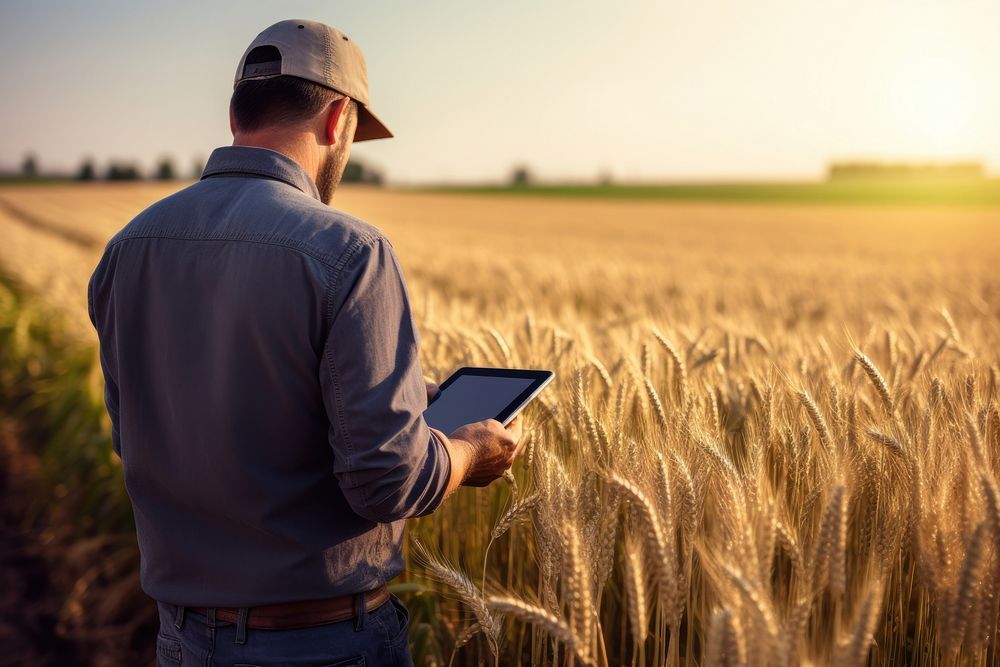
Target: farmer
(264, 388)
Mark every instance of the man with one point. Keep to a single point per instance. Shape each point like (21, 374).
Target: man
(263, 383)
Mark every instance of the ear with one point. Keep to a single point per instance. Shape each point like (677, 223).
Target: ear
(232, 121)
(337, 109)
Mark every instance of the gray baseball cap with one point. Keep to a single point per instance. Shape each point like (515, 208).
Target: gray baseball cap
(320, 53)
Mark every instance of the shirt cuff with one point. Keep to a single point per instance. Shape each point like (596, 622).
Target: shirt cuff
(443, 454)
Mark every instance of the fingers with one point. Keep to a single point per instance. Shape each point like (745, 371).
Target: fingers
(514, 433)
(497, 448)
(515, 428)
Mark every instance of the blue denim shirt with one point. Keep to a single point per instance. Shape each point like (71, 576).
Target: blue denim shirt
(263, 383)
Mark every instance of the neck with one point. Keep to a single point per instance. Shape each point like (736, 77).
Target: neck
(296, 147)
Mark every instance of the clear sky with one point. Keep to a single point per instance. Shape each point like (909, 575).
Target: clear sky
(677, 89)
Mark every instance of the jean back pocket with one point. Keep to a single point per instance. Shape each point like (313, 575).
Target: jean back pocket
(168, 649)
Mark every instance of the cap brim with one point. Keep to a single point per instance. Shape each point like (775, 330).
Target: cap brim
(369, 126)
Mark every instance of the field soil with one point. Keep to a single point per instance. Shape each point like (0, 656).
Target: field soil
(29, 603)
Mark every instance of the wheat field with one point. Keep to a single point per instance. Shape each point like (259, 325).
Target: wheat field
(773, 437)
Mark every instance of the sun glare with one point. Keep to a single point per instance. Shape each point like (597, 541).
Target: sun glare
(935, 103)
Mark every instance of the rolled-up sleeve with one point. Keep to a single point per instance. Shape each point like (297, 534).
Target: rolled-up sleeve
(388, 462)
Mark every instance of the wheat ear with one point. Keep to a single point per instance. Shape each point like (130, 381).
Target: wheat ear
(873, 373)
(817, 419)
(726, 643)
(541, 618)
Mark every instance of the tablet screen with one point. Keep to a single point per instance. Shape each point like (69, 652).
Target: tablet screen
(473, 398)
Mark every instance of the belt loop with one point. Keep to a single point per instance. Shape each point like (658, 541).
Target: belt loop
(360, 611)
(211, 617)
(179, 611)
(241, 625)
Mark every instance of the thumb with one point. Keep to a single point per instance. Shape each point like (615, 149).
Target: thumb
(432, 388)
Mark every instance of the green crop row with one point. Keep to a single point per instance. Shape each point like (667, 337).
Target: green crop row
(52, 386)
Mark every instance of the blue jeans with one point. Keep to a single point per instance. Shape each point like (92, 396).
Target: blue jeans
(374, 638)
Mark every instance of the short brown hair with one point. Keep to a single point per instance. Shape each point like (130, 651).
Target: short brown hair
(279, 100)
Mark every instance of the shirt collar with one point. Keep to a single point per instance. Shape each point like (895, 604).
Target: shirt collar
(262, 162)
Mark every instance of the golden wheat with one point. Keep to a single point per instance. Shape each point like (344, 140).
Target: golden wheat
(722, 472)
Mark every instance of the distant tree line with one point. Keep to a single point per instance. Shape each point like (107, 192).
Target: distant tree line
(522, 176)
(164, 170)
(843, 171)
(357, 172)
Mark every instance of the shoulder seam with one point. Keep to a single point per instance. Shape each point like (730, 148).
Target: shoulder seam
(278, 242)
(333, 282)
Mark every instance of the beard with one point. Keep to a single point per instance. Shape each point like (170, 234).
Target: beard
(331, 170)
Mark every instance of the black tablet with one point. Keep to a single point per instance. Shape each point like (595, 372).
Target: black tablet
(473, 394)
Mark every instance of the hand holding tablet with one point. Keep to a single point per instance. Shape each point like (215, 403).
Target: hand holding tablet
(475, 405)
(472, 394)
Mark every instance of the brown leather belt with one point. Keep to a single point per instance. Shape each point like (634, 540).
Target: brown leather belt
(300, 613)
